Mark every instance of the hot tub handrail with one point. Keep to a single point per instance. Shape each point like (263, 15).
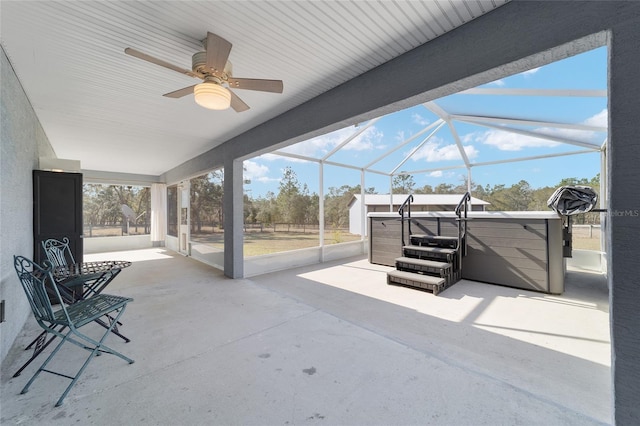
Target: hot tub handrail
(465, 198)
(407, 204)
(462, 227)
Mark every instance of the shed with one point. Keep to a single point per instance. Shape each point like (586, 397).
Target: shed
(421, 203)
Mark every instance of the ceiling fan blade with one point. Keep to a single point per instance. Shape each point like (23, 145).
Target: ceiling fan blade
(180, 92)
(237, 104)
(274, 86)
(218, 50)
(148, 58)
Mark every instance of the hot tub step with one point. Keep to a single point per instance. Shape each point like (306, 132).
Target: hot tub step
(409, 264)
(433, 253)
(410, 279)
(433, 240)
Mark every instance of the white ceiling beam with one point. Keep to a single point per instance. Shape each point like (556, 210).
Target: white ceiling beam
(438, 123)
(463, 153)
(534, 157)
(488, 119)
(535, 92)
(296, 156)
(541, 136)
(436, 109)
(510, 160)
(416, 148)
(346, 166)
(439, 169)
(378, 172)
(352, 137)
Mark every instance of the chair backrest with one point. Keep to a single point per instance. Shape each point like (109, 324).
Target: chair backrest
(58, 252)
(33, 279)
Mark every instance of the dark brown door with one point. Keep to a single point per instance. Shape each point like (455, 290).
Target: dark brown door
(57, 211)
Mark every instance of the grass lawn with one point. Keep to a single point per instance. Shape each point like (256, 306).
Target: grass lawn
(258, 243)
(586, 243)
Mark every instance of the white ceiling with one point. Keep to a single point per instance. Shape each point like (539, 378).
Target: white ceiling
(106, 109)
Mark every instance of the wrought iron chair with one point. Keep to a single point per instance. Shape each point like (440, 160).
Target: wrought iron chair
(71, 317)
(59, 254)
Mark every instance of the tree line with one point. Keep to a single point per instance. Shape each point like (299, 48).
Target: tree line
(295, 204)
(520, 196)
(102, 205)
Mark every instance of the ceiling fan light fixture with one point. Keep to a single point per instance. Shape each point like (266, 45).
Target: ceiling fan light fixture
(212, 96)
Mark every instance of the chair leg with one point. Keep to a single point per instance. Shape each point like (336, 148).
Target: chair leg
(41, 345)
(115, 328)
(44, 364)
(99, 347)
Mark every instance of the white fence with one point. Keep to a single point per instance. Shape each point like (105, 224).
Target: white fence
(586, 231)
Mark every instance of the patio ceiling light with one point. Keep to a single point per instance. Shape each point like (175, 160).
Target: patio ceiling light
(211, 95)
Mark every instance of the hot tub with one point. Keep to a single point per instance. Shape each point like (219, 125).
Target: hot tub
(515, 249)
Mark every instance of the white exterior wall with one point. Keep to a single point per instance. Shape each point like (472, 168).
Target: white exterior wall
(23, 143)
(355, 217)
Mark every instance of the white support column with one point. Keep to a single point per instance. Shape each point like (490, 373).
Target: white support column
(604, 202)
(233, 218)
(469, 179)
(390, 193)
(363, 208)
(158, 214)
(321, 209)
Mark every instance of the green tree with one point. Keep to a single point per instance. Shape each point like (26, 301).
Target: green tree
(267, 209)
(288, 195)
(206, 203)
(427, 189)
(444, 188)
(336, 204)
(403, 184)
(102, 205)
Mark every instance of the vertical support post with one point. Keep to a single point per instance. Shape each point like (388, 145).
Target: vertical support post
(469, 191)
(390, 193)
(233, 201)
(604, 201)
(363, 208)
(623, 251)
(158, 214)
(321, 209)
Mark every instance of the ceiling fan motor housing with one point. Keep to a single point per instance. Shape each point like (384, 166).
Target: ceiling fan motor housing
(199, 65)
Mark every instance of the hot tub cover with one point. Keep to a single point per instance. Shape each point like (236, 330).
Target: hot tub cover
(572, 200)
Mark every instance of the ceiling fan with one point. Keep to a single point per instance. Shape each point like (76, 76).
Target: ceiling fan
(212, 66)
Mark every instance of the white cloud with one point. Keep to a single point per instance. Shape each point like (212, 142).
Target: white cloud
(418, 119)
(468, 138)
(499, 83)
(437, 173)
(367, 140)
(507, 141)
(601, 119)
(531, 72)
(435, 151)
(319, 146)
(255, 171)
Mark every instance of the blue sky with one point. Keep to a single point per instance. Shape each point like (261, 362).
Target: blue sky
(422, 147)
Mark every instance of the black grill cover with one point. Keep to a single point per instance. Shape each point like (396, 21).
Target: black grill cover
(572, 200)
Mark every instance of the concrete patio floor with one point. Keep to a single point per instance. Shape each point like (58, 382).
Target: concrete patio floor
(328, 344)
